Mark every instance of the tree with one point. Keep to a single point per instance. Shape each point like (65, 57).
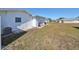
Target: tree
(50, 20)
(77, 17)
(61, 18)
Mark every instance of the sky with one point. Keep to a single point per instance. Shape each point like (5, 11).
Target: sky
(54, 13)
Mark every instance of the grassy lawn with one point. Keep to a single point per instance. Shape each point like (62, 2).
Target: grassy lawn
(54, 36)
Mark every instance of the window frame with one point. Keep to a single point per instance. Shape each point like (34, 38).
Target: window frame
(18, 20)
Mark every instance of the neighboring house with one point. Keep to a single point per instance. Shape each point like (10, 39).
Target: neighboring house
(40, 21)
(15, 21)
(68, 20)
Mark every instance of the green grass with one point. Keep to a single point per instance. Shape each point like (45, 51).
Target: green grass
(54, 36)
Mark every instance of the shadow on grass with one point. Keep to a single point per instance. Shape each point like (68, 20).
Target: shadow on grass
(76, 27)
(7, 40)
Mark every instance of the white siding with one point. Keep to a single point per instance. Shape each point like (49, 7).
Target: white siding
(8, 20)
(0, 32)
(39, 20)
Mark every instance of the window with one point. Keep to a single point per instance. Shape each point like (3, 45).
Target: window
(17, 19)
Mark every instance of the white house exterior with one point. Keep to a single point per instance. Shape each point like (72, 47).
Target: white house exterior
(18, 20)
(68, 20)
(0, 32)
(71, 21)
(40, 21)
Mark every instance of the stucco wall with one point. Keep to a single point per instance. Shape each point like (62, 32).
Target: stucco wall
(76, 21)
(27, 25)
(71, 21)
(35, 22)
(8, 20)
